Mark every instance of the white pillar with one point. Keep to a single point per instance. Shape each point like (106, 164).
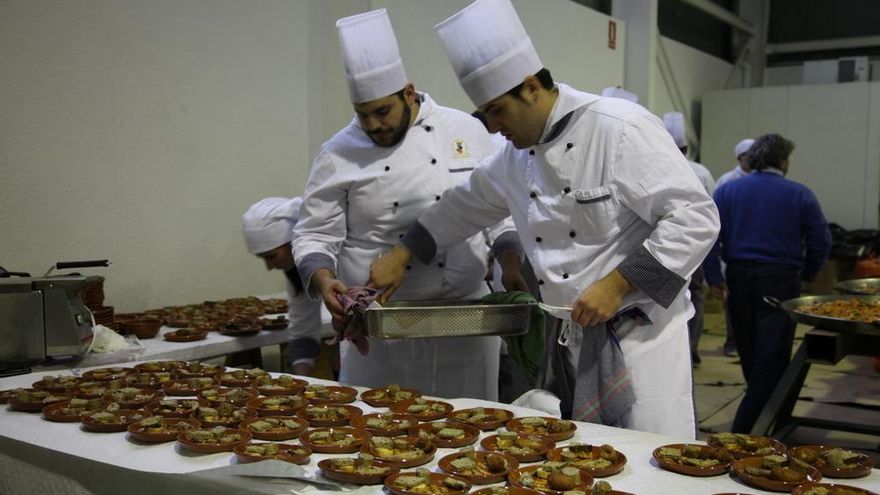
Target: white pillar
(640, 61)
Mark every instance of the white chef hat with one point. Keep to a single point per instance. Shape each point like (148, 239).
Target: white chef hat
(615, 92)
(269, 222)
(674, 122)
(373, 68)
(743, 146)
(489, 49)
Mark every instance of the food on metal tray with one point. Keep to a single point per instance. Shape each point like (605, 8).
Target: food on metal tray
(845, 309)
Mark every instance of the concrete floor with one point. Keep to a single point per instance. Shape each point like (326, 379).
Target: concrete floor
(849, 391)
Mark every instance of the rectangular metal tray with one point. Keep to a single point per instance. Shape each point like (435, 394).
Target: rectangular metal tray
(457, 318)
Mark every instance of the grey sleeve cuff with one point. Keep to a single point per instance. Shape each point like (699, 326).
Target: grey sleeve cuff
(312, 263)
(653, 279)
(508, 241)
(421, 243)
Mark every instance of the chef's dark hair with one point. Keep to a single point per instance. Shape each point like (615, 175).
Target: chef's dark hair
(544, 78)
(769, 151)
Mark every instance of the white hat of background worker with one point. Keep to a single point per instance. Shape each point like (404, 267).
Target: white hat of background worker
(674, 122)
(743, 146)
(489, 49)
(373, 68)
(614, 92)
(269, 222)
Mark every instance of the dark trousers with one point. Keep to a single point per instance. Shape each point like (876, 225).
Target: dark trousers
(698, 299)
(764, 334)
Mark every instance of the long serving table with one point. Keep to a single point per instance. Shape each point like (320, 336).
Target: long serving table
(42, 457)
(214, 345)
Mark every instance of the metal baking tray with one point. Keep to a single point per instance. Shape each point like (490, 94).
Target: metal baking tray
(455, 318)
(863, 286)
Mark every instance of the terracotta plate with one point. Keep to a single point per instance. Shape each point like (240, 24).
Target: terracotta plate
(403, 459)
(56, 386)
(227, 421)
(335, 395)
(55, 412)
(330, 472)
(740, 453)
(739, 467)
(484, 418)
(515, 478)
(213, 448)
(36, 405)
(395, 424)
(859, 469)
(329, 414)
(355, 438)
(537, 446)
(291, 388)
(182, 388)
(435, 485)
(677, 467)
(552, 429)
(276, 433)
(156, 366)
(296, 454)
(121, 419)
(239, 395)
(196, 369)
(430, 414)
(481, 475)
(288, 409)
(510, 490)
(470, 433)
(106, 374)
(801, 489)
(618, 461)
(185, 335)
(155, 435)
(379, 397)
(180, 410)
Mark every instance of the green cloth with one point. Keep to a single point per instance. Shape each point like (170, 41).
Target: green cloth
(526, 350)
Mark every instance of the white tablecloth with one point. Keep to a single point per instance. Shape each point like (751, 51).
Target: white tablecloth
(39, 456)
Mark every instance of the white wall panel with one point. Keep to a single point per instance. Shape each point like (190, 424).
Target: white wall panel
(725, 123)
(767, 110)
(829, 126)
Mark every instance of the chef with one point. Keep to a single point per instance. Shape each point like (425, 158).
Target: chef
(368, 184)
(267, 227)
(607, 209)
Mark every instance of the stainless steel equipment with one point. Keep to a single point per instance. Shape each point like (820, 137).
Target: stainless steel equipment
(398, 320)
(792, 307)
(44, 317)
(863, 286)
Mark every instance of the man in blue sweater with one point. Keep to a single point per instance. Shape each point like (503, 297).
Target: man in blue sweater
(773, 235)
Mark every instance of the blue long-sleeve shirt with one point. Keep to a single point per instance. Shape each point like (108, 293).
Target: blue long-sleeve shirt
(766, 218)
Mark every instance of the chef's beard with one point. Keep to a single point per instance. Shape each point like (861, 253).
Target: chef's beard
(399, 131)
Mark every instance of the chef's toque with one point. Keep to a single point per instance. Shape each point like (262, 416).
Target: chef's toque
(621, 93)
(268, 223)
(489, 49)
(674, 122)
(743, 146)
(373, 68)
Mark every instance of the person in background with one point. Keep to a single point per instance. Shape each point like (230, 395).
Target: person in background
(675, 124)
(367, 185)
(773, 235)
(742, 169)
(608, 211)
(267, 227)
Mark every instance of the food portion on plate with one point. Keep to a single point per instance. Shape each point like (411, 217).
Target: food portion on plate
(274, 427)
(402, 451)
(34, 400)
(598, 460)
(56, 384)
(343, 440)
(107, 374)
(424, 482)
(283, 385)
(834, 462)
(423, 409)
(132, 397)
(524, 447)
(233, 395)
(278, 405)
(329, 414)
(829, 489)
(225, 414)
(479, 468)
(329, 394)
(385, 424)
(446, 434)
(741, 445)
(255, 452)
(391, 394)
(213, 440)
(187, 334)
(71, 411)
(147, 379)
(160, 429)
(198, 368)
(553, 428)
(554, 478)
(775, 472)
(361, 470)
(241, 378)
(188, 386)
(484, 418)
(175, 408)
(111, 419)
(693, 460)
(158, 366)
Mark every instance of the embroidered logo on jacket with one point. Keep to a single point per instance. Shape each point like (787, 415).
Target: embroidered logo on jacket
(459, 149)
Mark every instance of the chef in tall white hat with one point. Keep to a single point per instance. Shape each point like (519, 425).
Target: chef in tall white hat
(607, 209)
(367, 185)
(267, 227)
(675, 124)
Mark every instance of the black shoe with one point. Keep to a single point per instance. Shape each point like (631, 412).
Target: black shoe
(730, 351)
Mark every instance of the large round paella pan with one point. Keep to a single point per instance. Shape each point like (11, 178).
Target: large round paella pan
(842, 313)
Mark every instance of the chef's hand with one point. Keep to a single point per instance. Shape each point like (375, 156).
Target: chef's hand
(387, 271)
(511, 277)
(329, 286)
(719, 291)
(600, 301)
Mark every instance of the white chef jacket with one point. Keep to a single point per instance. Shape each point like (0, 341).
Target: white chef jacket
(609, 190)
(736, 173)
(304, 317)
(359, 201)
(704, 175)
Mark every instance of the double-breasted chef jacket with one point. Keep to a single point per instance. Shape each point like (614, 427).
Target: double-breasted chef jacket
(605, 188)
(359, 201)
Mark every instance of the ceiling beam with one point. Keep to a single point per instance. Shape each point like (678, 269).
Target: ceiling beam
(722, 15)
(820, 45)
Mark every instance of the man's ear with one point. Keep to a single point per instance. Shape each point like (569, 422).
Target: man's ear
(409, 93)
(531, 88)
